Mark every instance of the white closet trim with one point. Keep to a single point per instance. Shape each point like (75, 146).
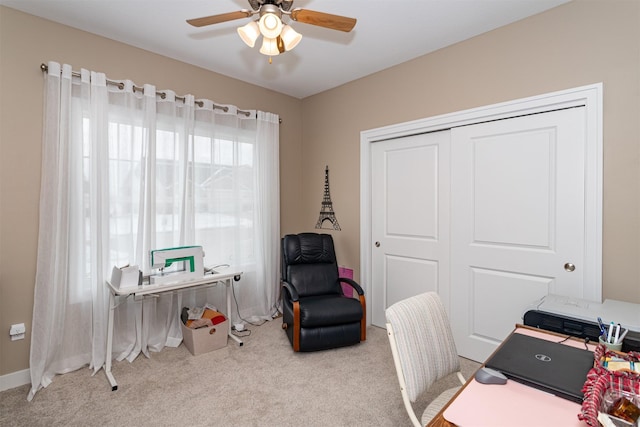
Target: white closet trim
(589, 96)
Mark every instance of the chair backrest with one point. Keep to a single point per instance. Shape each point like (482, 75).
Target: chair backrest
(309, 264)
(424, 342)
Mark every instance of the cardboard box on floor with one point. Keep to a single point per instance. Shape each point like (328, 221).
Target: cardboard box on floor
(204, 340)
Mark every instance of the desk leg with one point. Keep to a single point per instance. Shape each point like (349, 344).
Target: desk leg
(229, 283)
(107, 364)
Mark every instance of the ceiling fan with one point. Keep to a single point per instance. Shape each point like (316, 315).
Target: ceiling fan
(278, 37)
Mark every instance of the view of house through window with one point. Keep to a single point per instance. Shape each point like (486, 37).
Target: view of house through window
(198, 193)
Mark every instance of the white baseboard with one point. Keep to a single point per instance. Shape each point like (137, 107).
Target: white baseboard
(15, 379)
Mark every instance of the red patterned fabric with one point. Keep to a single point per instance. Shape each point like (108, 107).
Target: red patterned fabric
(599, 380)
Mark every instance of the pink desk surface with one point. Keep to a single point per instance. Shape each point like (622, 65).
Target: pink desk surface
(513, 404)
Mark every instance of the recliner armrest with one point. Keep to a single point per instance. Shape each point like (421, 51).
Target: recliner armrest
(291, 290)
(353, 284)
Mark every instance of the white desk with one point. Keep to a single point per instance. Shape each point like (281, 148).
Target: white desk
(153, 290)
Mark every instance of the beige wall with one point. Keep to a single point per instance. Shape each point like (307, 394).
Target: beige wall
(583, 42)
(25, 43)
(577, 44)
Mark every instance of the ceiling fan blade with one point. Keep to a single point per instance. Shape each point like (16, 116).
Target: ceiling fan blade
(216, 19)
(327, 20)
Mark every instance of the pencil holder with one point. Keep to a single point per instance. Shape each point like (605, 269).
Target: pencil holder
(614, 347)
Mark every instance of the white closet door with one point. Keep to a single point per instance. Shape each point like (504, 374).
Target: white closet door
(518, 221)
(410, 219)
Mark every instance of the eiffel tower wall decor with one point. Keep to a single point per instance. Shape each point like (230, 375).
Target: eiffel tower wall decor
(326, 211)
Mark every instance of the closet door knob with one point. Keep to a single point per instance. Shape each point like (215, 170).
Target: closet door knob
(377, 244)
(569, 267)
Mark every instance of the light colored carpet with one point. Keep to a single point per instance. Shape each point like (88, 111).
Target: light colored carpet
(263, 383)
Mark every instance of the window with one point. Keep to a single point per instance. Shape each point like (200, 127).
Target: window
(125, 171)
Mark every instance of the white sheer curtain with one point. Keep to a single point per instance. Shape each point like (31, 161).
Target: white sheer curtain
(125, 171)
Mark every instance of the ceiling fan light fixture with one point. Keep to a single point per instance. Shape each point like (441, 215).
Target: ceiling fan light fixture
(278, 37)
(249, 33)
(290, 37)
(269, 47)
(270, 25)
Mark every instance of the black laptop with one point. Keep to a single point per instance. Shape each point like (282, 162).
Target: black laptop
(552, 367)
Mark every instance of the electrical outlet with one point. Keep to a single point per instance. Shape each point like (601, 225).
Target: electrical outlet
(17, 332)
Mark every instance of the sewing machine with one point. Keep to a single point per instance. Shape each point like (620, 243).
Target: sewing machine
(187, 263)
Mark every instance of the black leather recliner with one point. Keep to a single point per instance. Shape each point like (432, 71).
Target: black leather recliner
(316, 313)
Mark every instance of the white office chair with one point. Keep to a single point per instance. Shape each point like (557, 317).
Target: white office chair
(423, 351)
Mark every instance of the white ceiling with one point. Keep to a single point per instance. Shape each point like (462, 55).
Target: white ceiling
(387, 33)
